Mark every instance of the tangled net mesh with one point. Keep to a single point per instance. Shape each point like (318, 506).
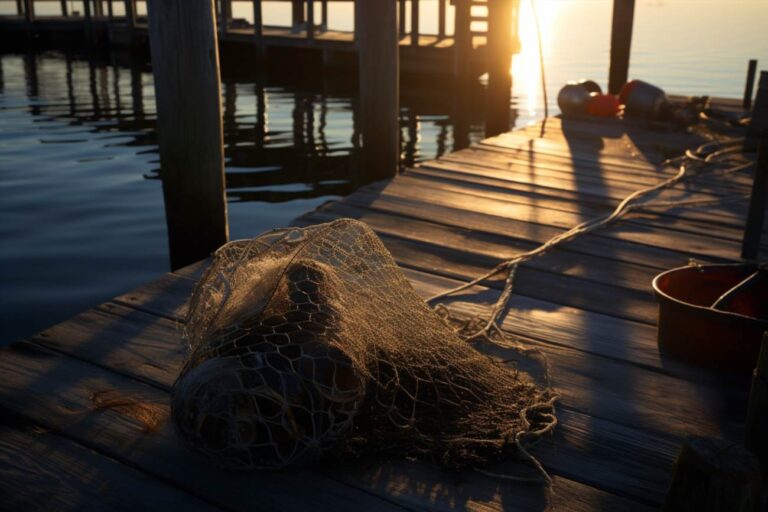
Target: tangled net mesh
(310, 343)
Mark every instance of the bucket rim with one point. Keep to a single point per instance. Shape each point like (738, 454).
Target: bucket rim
(662, 295)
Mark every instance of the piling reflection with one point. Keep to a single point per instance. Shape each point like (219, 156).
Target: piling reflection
(287, 137)
(278, 132)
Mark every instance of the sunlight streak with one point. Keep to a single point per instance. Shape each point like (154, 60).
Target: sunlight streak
(526, 71)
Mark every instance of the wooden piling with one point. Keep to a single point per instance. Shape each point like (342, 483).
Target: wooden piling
(185, 62)
(756, 434)
(499, 61)
(401, 17)
(324, 15)
(750, 85)
(88, 20)
(759, 118)
(377, 43)
(714, 475)
(310, 19)
(29, 12)
(414, 22)
(297, 15)
(226, 15)
(621, 42)
(750, 246)
(258, 27)
(441, 18)
(462, 42)
(64, 8)
(130, 19)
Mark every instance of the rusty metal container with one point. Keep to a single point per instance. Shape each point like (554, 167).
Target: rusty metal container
(692, 331)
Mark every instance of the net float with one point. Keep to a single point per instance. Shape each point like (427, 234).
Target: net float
(642, 99)
(572, 99)
(603, 105)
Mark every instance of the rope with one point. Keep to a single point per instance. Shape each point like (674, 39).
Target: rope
(541, 66)
(701, 157)
(475, 329)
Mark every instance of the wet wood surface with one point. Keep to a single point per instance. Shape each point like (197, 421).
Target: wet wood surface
(624, 407)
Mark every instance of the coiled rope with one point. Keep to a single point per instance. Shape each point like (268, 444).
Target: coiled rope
(705, 159)
(694, 163)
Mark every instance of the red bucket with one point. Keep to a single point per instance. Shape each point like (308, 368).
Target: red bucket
(692, 331)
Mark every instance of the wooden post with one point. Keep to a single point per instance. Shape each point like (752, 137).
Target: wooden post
(185, 62)
(441, 18)
(462, 46)
(130, 15)
(110, 11)
(258, 26)
(750, 247)
(310, 19)
(759, 118)
(750, 86)
(324, 15)
(297, 15)
(64, 8)
(98, 9)
(20, 7)
(226, 15)
(88, 20)
(401, 17)
(377, 45)
(756, 435)
(621, 42)
(414, 22)
(714, 475)
(29, 13)
(499, 61)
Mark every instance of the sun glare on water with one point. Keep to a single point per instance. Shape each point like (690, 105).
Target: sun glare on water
(526, 68)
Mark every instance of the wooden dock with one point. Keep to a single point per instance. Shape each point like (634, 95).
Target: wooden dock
(85, 403)
(420, 53)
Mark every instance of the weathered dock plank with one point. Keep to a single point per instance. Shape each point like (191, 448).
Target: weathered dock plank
(40, 470)
(624, 407)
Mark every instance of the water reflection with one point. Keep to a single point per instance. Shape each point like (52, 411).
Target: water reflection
(82, 206)
(283, 139)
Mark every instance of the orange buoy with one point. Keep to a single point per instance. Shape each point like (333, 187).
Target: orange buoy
(603, 105)
(626, 90)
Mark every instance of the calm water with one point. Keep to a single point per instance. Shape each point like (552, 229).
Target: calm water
(81, 212)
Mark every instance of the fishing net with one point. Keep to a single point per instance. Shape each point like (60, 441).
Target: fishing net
(310, 343)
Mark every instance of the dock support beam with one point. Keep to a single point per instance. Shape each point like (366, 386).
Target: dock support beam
(621, 42)
(750, 247)
(462, 46)
(377, 42)
(226, 16)
(755, 438)
(185, 62)
(750, 85)
(297, 15)
(441, 18)
(29, 13)
(714, 474)
(130, 19)
(88, 20)
(499, 61)
(310, 20)
(258, 27)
